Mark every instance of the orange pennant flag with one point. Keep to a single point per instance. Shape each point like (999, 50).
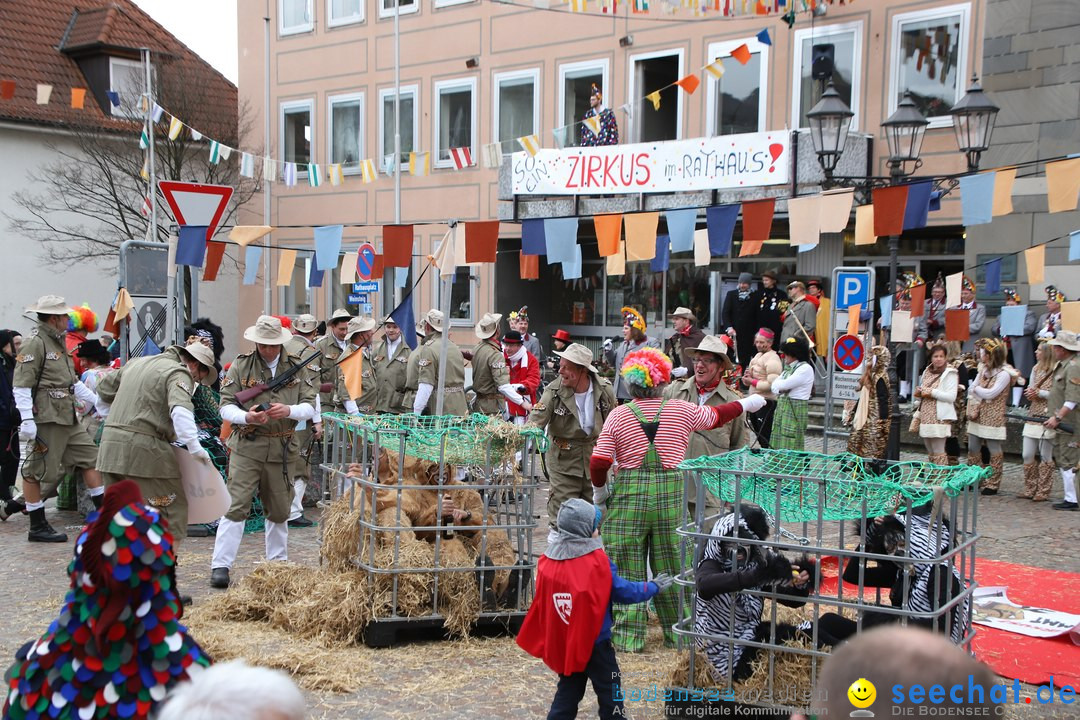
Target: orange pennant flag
(1003, 186)
(864, 225)
(918, 298)
(608, 229)
(889, 206)
(757, 217)
(481, 241)
(78, 98)
(641, 236)
(1035, 259)
(529, 267)
(741, 53)
(110, 325)
(215, 251)
(689, 83)
(1063, 184)
(853, 319)
(352, 368)
(957, 325)
(750, 247)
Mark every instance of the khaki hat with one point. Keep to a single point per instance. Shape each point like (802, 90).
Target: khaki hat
(435, 319)
(49, 305)
(1067, 340)
(340, 314)
(682, 312)
(488, 325)
(203, 355)
(579, 355)
(421, 329)
(360, 324)
(389, 321)
(305, 323)
(267, 330)
(714, 344)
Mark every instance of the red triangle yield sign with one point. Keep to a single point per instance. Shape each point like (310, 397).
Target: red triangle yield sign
(195, 204)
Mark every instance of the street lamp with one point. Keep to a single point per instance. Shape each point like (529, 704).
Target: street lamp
(904, 133)
(973, 120)
(829, 121)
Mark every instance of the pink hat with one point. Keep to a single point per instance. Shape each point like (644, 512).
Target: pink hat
(767, 333)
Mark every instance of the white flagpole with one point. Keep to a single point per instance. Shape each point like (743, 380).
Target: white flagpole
(267, 291)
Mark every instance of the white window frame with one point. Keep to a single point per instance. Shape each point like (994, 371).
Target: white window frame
(284, 108)
(456, 84)
(634, 92)
(821, 35)
(338, 22)
(584, 67)
(473, 285)
(722, 50)
(449, 3)
(384, 95)
(296, 29)
(127, 66)
(332, 100)
(497, 79)
(938, 13)
(384, 12)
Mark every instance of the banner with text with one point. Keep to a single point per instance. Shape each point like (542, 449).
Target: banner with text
(723, 161)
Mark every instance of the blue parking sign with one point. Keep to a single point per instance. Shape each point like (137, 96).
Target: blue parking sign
(852, 288)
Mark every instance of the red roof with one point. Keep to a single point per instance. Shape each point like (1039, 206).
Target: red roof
(42, 40)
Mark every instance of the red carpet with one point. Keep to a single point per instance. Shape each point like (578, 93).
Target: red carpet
(1031, 660)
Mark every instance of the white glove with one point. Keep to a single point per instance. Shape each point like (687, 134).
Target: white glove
(752, 403)
(608, 346)
(351, 408)
(27, 430)
(663, 581)
(679, 372)
(201, 455)
(600, 495)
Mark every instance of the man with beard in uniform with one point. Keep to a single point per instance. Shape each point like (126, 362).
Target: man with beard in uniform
(331, 345)
(302, 344)
(428, 371)
(391, 365)
(262, 445)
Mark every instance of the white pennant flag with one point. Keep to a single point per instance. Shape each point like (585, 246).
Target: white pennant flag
(462, 157)
(289, 175)
(269, 169)
(337, 176)
(195, 134)
(226, 151)
(368, 171)
(247, 165)
(493, 156)
(158, 112)
(314, 175)
(215, 152)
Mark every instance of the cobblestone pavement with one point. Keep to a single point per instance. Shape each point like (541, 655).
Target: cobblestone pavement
(459, 679)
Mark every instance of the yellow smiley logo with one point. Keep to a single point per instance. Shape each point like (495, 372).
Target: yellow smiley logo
(862, 693)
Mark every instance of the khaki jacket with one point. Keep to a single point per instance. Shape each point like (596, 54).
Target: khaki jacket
(489, 372)
(428, 372)
(139, 428)
(765, 368)
(327, 373)
(43, 364)
(273, 441)
(392, 372)
(731, 436)
(369, 382)
(1065, 387)
(557, 411)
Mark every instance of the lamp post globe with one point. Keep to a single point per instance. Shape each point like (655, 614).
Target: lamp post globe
(973, 122)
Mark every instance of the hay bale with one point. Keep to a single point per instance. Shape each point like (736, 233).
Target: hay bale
(459, 590)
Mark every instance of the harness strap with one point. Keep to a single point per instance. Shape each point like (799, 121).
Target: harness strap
(649, 427)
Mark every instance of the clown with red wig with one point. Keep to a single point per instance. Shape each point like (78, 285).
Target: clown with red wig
(81, 322)
(647, 438)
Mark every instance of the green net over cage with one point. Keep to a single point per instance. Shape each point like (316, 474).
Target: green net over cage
(466, 440)
(810, 485)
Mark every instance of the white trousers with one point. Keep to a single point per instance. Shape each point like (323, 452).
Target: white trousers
(297, 509)
(1068, 479)
(229, 535)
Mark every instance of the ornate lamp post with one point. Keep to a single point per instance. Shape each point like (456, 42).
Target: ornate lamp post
(973, 121)
(829, 121)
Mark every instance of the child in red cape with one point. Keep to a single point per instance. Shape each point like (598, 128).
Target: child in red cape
(569, 622)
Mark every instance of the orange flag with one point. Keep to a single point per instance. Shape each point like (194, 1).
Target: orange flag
(1063, 184)
(689, 83)
(750, 247)
(215, 251)
(889, 206)
(957, 325)
(1003, 187)
(853, 319)
(481, 241)
(398, 245)
(757, 217)
(741, 53)
(608, 229)
(352, 367)
(78, 98)
(529, 267)
(1035, 259)
(918, 297)
(864, 225)
(641, 236)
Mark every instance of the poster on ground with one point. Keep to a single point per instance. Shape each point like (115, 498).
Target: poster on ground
(993, 608)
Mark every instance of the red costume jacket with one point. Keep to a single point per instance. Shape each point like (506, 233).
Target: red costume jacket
(529, 376)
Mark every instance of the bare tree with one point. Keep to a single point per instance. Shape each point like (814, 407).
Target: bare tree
(89, 199)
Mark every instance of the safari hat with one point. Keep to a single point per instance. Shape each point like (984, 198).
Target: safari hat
(340, 314)
(203, 355)
(389, 320)
(421, 329)
(714, 344)
(1067, 340)
(435, 319)
(488, 325)
(579, 355)
(306, 323)
(360, 324)
(267, 330)
(49, 305)
(682, 312)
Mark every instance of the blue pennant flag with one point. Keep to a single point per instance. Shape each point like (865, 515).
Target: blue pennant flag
(659, 263)
(993, 276)
(918, 205)
(680, 226)
(403, 316)
(721, 221)
(533, 241)
(150, 347)
(191, 245)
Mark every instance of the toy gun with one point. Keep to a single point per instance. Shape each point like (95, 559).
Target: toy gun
(1063, 427)
(244, 396)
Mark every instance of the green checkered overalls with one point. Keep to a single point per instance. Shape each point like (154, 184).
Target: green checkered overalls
(789, 425)
(643, 512)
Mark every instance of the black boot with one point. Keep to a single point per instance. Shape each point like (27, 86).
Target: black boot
(96, 499)
(41, 530)
(219, 578)
(10, 507)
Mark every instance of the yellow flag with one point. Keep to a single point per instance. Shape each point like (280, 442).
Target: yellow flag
(616, 262)
(864, 225)
(578, 5)
(352, 369)
(530, 143)
(654, 98)
(243, 235)
(1003, 187)
(419, 163)
(1035, 259)
(368, 171)
(716, 69)
(175, 126)
(286, 265)
(145, 172)
(337, 176)
(123, 305)
(593, 123)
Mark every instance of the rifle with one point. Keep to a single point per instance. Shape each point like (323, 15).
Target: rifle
(244, 396)
(1063, 427)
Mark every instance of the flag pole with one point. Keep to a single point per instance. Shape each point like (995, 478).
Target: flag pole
(444, 305)
(267, 291)
(397, 147)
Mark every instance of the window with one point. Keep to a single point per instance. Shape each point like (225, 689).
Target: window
(408, 123)
(386, 7)
(345, 131)
(647, 73)
(929, 59)
(295, 16)
(126, 78)
(344, 12)
(445, 3)
(296, 133)
(845, 43)
(455, 118)
(462, 291)
(517, 111)
(736, 102)
(575, 86)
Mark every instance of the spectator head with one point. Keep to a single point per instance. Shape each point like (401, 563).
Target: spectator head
(519, 320)
(646, 372)
(596, 98)
(813, 287)
(768, 278)
(991, 351)
(682, 318)
(93, 354)
(561, 339)
(339, 323)
(745, 279)
(237, 691)
(1011, 296)
(967, 290)
(390, 327)
(82, 320)
(578, 518)
(796, 289)
(633, 325)
(511, 342)
(939, 355)
(1054, 298)
(305, 325)
(763, 340)
(904, 656)
(711, 360)
(795, 348)
(210, 333)
(359, 330)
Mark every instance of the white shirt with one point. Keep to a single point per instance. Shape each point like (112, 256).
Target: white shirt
(586, 409)
(392, 347)
(799, 385)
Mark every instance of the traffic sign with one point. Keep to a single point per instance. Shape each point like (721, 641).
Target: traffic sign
(365, 261)
(848, 352)
(356, 299)
(845, 385)
(195, 204)
(370, 286)
(361, 295)
(853, 287)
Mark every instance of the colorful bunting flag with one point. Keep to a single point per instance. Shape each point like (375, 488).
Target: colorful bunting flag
(368, 173)
(578, 5)
(175, 126)
(977, 198)
(662, 256)
(836, 209)
(640, 6)
(78, 98)
(702, 256)
(314, 175)
(529, 266)
(530, 143)
(616, 264)
(419, 164)
(286, 265)
(804, 219)
(742, 54)
(144, 139)
(7, 89)
(462, 157)
(609, 6)
(680, 227)
(757, 217)
(252, 255)
(608, 230)
(1035, 259)
(492, 155)
(269, 169)
(146, 208)
(247, 165)
(992, 268)
(917, 209)
(336, 174)
(215, 251)
(289, 174)
(1063, 184)
(864, 225)
(347, 271)
(716, 69)
(720, 225)
(145, 172)
(641, 235)
(226, 151)
(44, 92)
(114, 98)
(889, 206)
(195, 134)
(397, 245)
(481, 241)
(327, 246)
(1003, 187)
(654, 98)
(763, 37)
(560, 235)
(689, 83)
(158, 113)
(191, 245)
(215, 152)
(533, 240)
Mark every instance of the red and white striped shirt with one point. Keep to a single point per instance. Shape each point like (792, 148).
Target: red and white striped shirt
(623, 440)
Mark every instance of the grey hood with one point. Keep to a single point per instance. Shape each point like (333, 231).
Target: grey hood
(576, 522)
